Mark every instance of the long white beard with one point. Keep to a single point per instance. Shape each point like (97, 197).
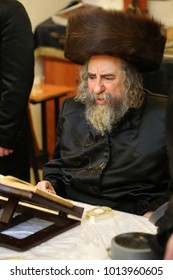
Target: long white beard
(100, 117)
(103, 117)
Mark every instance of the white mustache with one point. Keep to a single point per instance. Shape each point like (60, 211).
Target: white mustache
(102, 96)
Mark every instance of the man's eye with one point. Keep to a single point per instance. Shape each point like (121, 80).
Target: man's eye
(91, 77)
(109, 78)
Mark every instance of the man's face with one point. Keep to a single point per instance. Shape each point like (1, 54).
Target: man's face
(103, 92)
(105, 76)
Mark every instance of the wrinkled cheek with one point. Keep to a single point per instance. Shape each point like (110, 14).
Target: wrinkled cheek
(90, 87)
(119, 97)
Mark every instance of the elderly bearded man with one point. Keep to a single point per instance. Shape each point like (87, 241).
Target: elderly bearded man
(111, 147)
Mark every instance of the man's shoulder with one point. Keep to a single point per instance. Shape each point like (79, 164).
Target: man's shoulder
(154, 113)
(70, 104)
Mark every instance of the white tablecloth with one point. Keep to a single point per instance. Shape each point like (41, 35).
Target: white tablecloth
(91, 240)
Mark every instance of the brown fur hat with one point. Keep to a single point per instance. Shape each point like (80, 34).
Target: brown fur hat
(134, 38)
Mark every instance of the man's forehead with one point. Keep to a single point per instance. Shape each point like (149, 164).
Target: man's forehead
(104, 64)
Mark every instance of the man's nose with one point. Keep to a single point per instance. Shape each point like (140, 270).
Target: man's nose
(98, 87)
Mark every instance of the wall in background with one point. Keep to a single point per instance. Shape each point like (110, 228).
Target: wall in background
(115, 4)
(40, 10)
(162, 10)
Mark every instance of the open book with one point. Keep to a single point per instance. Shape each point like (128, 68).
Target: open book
(15, 183)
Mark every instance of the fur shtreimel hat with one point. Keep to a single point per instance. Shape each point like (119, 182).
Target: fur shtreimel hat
(134, 38)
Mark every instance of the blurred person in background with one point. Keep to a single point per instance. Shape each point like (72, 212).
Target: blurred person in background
(16, 79)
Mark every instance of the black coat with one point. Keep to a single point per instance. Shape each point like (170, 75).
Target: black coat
(125, 170)
(16, 78)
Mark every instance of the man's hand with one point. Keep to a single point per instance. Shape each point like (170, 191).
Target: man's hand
(5, 152)
(46, 186)
(148, 214)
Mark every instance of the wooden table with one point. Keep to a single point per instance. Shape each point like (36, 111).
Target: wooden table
(45, 93)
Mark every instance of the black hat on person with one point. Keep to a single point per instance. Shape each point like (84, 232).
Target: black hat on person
(137, 39)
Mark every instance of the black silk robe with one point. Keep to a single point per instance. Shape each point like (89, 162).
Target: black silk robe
(125, 169)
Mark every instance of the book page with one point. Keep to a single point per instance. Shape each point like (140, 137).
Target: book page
(17, 183)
